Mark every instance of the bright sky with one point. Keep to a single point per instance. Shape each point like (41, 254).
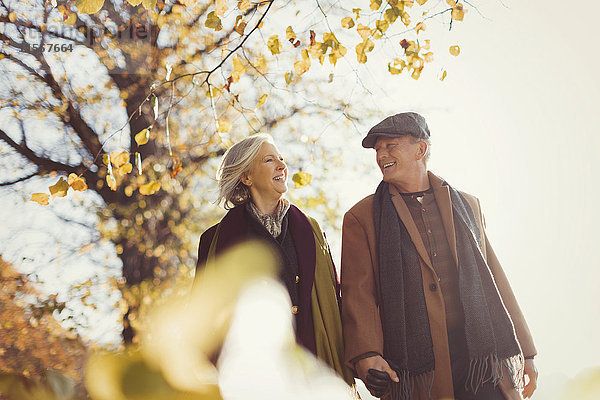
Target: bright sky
(515, 123)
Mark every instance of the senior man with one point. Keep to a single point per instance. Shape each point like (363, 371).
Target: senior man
(427, 309)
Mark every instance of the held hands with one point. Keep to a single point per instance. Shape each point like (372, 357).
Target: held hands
(532, 373)
(376, 373)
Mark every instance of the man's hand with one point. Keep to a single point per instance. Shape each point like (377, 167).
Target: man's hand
(372, 371)
(532, 373)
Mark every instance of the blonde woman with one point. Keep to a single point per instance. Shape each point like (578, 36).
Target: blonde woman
(252, 182)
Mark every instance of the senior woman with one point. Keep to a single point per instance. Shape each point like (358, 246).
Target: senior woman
(252, 181)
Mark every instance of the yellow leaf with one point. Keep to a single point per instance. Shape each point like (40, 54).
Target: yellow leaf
(262, 100)
(244, 5)
(362, 48)
(347, 22)
(112, 182)
(426, 45)
(407, 3)
(212, 21)
(149, 4)
(77, 182)
(419, 27)
(274, 45)
(119, 159)
(301, 179)
(451, 3)
(363, 31)
(394, 71)
(288, 78)
(240, 25)
(12, 17)
(356, 12)
(392, 14)
(305, 56)
(150, 188)
(89, 6)
(125, 169)
(289, 33)
(301, 67)
(238, 69)
(220, 7)
(42, 199)
(59, 189)
(444, 74)
(416, 74)
(375, 4)
(381, 26)
(458, 12)
(224, 125)
(142, 137)
(421, 2)
(106, 159)
(428, 57)
(454, 50)
(134, 3)
(71, 19)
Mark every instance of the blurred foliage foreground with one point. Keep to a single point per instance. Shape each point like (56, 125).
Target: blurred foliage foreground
(235, 309)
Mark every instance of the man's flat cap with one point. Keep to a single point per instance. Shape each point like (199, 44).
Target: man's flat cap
(403, 124)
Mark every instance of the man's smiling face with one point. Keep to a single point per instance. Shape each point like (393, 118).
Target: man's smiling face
(397, 157)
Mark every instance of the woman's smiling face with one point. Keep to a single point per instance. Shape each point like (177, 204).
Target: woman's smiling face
(268, 176)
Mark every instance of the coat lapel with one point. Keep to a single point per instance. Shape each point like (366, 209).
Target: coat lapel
(409, 223)
(442, 198)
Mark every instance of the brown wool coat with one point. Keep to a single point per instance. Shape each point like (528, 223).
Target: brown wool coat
(360, 286)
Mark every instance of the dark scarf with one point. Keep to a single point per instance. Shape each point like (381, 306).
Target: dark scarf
(408, 346)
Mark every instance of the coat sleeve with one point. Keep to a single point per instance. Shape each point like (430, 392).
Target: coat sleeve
(360, 313)
(508, 297)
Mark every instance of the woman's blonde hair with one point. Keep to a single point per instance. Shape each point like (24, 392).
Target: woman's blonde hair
(236, 162)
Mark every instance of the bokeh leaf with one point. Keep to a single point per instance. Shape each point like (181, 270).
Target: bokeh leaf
(142, 137)
(150, 188)
(60, 188)
(89, 6)
(77, 182)
(301, 179)
(41, 198)
(454, 50)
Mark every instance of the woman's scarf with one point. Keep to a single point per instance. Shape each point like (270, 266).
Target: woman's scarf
(272, 223)
(408, 346)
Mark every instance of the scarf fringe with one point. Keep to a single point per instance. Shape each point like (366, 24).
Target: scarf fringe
(490, 368)
(412, 385)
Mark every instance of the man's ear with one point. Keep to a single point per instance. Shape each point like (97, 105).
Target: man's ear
(421, 150)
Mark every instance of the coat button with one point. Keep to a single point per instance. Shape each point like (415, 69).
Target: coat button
(294, 309)
(297, 279)
(433, 287)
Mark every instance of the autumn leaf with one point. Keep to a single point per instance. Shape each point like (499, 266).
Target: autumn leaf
(274, 45)
(224, 125)
(454, 50)
(150, 188)
(244, 5)
(289, 33)
(125, 168)
(458, 12)
(262, 100)
(220, 7)
(240, 25)
(77, 182)
(41, 198)
(238, 69)
(288, 78)
(362, 49)
(392, 14)
(59, 189)
(212, 21)
(347, 22)
(419, 27)
(356, 12)
(71, 19)
(421, 2)
(177, 166)
(89, 6)
(12, 17)
(428, 56)
(142, 137)
(112, 182)
(301, 67)
(134, 3)
(149, 4)
(375, 4)
(301, 179)
(312, 38)
(444, 74)
(119, 159)
(363, 31)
